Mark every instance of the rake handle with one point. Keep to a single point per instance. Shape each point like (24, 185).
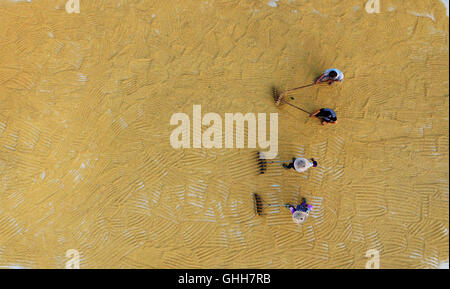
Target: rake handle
(269, 205)
(299, 108)
(304, 86)
(274, 162)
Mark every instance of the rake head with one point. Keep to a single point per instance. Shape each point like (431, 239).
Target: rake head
(277, 97)
(257, 204)
(262, 164)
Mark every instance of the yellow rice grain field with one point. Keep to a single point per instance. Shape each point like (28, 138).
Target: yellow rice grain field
(86, 162)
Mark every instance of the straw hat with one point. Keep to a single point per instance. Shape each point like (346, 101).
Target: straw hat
(301, 165)
(299, 217)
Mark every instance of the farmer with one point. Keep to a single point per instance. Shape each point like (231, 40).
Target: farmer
(330, 75)
(301, 212)
(326, 115)
(300, 164)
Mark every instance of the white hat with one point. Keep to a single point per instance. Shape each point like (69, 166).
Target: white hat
(299, 217)
(301, 165)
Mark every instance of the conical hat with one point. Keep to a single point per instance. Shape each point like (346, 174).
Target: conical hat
(301, 165)
(299, 217)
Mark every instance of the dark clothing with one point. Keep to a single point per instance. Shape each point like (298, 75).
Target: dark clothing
(290, 165)
(327, 115)
(303, 207)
